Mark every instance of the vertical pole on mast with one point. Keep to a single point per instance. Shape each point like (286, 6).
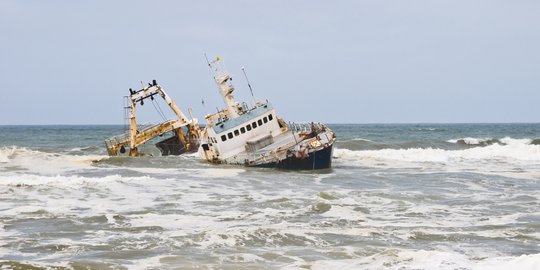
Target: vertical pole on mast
(249, 85)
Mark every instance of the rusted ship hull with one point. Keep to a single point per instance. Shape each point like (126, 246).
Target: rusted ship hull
(172, 146)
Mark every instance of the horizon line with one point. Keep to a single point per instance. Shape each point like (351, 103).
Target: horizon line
(329, 123)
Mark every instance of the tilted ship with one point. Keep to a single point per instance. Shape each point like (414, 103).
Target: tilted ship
(238, 134)
(257, 137)
(185, 132)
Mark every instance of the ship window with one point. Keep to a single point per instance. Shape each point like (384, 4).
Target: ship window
(265, 120)
(243, 130)
(236, 132)
(260, 122)
(248, 127)
(230, 135)
(270, 117)
(254, 124)
(223, 138)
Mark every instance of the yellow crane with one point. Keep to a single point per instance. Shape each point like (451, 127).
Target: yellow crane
(182, 142)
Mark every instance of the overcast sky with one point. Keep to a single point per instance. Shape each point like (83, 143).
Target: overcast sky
(70, 62)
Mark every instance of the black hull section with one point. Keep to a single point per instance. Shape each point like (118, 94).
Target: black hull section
(172, 146)
(318, 160)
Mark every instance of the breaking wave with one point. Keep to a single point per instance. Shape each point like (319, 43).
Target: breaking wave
(489, 141)
(6, 153)
(361, 140)
(20, 158)
(427, 129)
(443, 144)
(425, 259)
(474, 141)
(509, 154)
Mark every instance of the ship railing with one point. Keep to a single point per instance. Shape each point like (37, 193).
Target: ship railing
(114, 143)
(116, 140)
(272, 156)
(305, 127)
(124, 137)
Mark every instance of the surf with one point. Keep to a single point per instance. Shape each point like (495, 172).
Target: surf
(508, 155)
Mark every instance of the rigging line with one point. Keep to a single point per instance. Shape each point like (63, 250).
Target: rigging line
(162, 113)
(158, 109)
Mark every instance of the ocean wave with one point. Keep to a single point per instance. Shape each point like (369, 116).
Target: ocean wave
(6, 153)
(20, 158)
(427, 129)
(87, 149)
(28, 180)
(474, 141)
(424, 259)
(361, 140)
(508, 156)
(493, 152)
(470, 141)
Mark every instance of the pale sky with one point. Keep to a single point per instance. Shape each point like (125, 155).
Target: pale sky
(71, 62)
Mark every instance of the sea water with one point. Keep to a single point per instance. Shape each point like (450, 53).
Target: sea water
(408, 196)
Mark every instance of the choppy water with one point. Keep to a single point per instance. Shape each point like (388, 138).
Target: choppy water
(398, 197)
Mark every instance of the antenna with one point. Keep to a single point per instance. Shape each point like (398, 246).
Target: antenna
(208, 62)
(204, 107)
(249, 85)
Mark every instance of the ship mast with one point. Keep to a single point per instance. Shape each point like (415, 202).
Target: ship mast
(225, 87)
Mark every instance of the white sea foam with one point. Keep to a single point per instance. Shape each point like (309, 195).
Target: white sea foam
(426, 129)
(155, 170)
(57, 180)
(362, 140)
(149, 263)
(43, 162)
(523, 262)
(216, 173)
(426, 259)
(248, 216)
(481, 141)
(516, 153)
(58, 264)
(470, 140)
(77, 195)
(6, 153)
(512, 141)
(343, 212)
(242, 258)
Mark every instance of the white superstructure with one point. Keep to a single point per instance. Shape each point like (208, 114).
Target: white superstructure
(255, 136)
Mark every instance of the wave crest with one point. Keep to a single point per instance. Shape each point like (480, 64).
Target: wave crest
(20, 158)
(513, 155)
(470, 141)
(474, 141)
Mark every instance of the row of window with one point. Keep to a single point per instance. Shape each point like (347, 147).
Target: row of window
(248, 127)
